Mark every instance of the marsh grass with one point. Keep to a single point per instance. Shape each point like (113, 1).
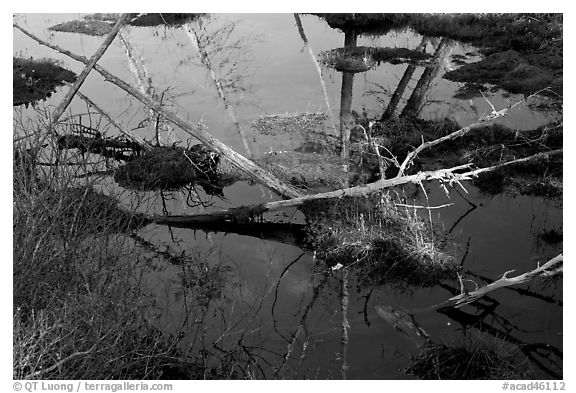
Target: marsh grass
(476, 358)
(36, 79)
(362, 58)
(485, 146)
(80, 310)
(379, 240)
(85, 295)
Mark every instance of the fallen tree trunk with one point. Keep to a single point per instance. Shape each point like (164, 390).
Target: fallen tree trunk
(235, 158)
(247, 213)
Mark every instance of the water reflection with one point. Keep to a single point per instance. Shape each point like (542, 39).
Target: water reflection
(247, 299)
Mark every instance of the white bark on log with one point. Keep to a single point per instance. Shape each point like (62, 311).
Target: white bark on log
(552, 267)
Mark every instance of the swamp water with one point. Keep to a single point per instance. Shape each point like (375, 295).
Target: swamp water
(261, 293)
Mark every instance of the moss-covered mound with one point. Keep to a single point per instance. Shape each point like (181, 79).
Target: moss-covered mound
(35, 80)
(101, 24)
(363, 58)
(513, 72)
(168, 168)
(382, 242)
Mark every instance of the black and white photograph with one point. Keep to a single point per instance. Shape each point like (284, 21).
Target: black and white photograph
(287, 196)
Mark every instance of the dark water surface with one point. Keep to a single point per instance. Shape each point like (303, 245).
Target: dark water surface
(255, 296)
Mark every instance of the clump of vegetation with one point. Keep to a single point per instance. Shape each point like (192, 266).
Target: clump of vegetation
(396, 135)
(163, 19)
(300, 123)
(472, 361)
(362, 58)
(35, 80)
(494, 144)
(93, 27)
(496, 31)
(357, 59)
(101, 24)
(511, 71)
(379, 240)
(167, 168)
(524, 50)
(485, 146)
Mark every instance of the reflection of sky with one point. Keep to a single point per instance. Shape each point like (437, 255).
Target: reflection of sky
(280, 75)
(284, 80)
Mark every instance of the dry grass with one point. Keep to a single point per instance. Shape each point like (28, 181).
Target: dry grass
(381, 241)
(80, 310)
(473, 360)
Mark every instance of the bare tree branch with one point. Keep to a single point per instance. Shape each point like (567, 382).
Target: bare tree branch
(552, 267)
